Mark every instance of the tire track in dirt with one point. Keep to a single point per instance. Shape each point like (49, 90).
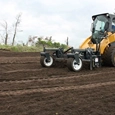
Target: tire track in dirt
(21, 70)
(10, 60)
(52, 82)
(52, 78)
(4, 53)
(55, 89)
(4, 68)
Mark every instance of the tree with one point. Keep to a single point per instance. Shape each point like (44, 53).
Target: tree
(18, 20)
(31, 40)
(6, 31)
(5, 27)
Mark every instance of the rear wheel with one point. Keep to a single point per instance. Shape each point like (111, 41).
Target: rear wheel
(109, 56)
(45, 63)
(73, 66)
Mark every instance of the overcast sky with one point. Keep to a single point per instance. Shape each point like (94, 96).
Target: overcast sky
(57, 18)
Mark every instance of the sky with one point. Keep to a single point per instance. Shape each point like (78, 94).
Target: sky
(57, 18)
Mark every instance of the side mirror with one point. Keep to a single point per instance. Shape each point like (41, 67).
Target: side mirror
(106, 26)
(91, 27)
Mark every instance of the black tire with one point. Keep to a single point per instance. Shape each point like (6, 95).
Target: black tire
(108, 58)
(71, 64)
(45, 63)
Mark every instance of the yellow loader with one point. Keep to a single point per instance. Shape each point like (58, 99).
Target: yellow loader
(96, 50)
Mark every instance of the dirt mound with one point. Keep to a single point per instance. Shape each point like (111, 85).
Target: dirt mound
(26, 88)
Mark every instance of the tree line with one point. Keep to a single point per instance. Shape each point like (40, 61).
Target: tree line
(47, 41)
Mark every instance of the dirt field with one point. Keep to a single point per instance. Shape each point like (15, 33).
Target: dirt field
(28, 89)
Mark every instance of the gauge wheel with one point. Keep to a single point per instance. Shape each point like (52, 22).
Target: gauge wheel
(45, 63)
(73, 66)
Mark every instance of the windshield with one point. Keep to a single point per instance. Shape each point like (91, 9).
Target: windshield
(99, 27)
(99, 23)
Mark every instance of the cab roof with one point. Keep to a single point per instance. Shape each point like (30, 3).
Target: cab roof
(106, 14)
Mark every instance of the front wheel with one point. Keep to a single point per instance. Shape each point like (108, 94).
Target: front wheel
(109, 56)
(73, 66)
(45, 63)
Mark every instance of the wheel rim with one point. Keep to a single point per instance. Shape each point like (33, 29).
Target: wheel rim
(76, 66)
(48, 63)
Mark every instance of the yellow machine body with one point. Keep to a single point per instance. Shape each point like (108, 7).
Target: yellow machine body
(104, 43)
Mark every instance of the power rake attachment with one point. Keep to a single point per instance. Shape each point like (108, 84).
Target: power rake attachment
(53, 56)
(74, 59)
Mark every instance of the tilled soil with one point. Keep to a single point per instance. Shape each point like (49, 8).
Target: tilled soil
(26, 88)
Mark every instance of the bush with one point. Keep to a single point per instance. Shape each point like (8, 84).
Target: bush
(51, 44)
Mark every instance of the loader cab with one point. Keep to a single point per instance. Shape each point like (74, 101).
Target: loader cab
(102, 23)
(100, 26)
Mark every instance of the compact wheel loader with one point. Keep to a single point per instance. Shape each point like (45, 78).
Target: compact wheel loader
(96, 50)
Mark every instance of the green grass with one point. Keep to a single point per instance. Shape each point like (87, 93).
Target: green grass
(20, 48)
